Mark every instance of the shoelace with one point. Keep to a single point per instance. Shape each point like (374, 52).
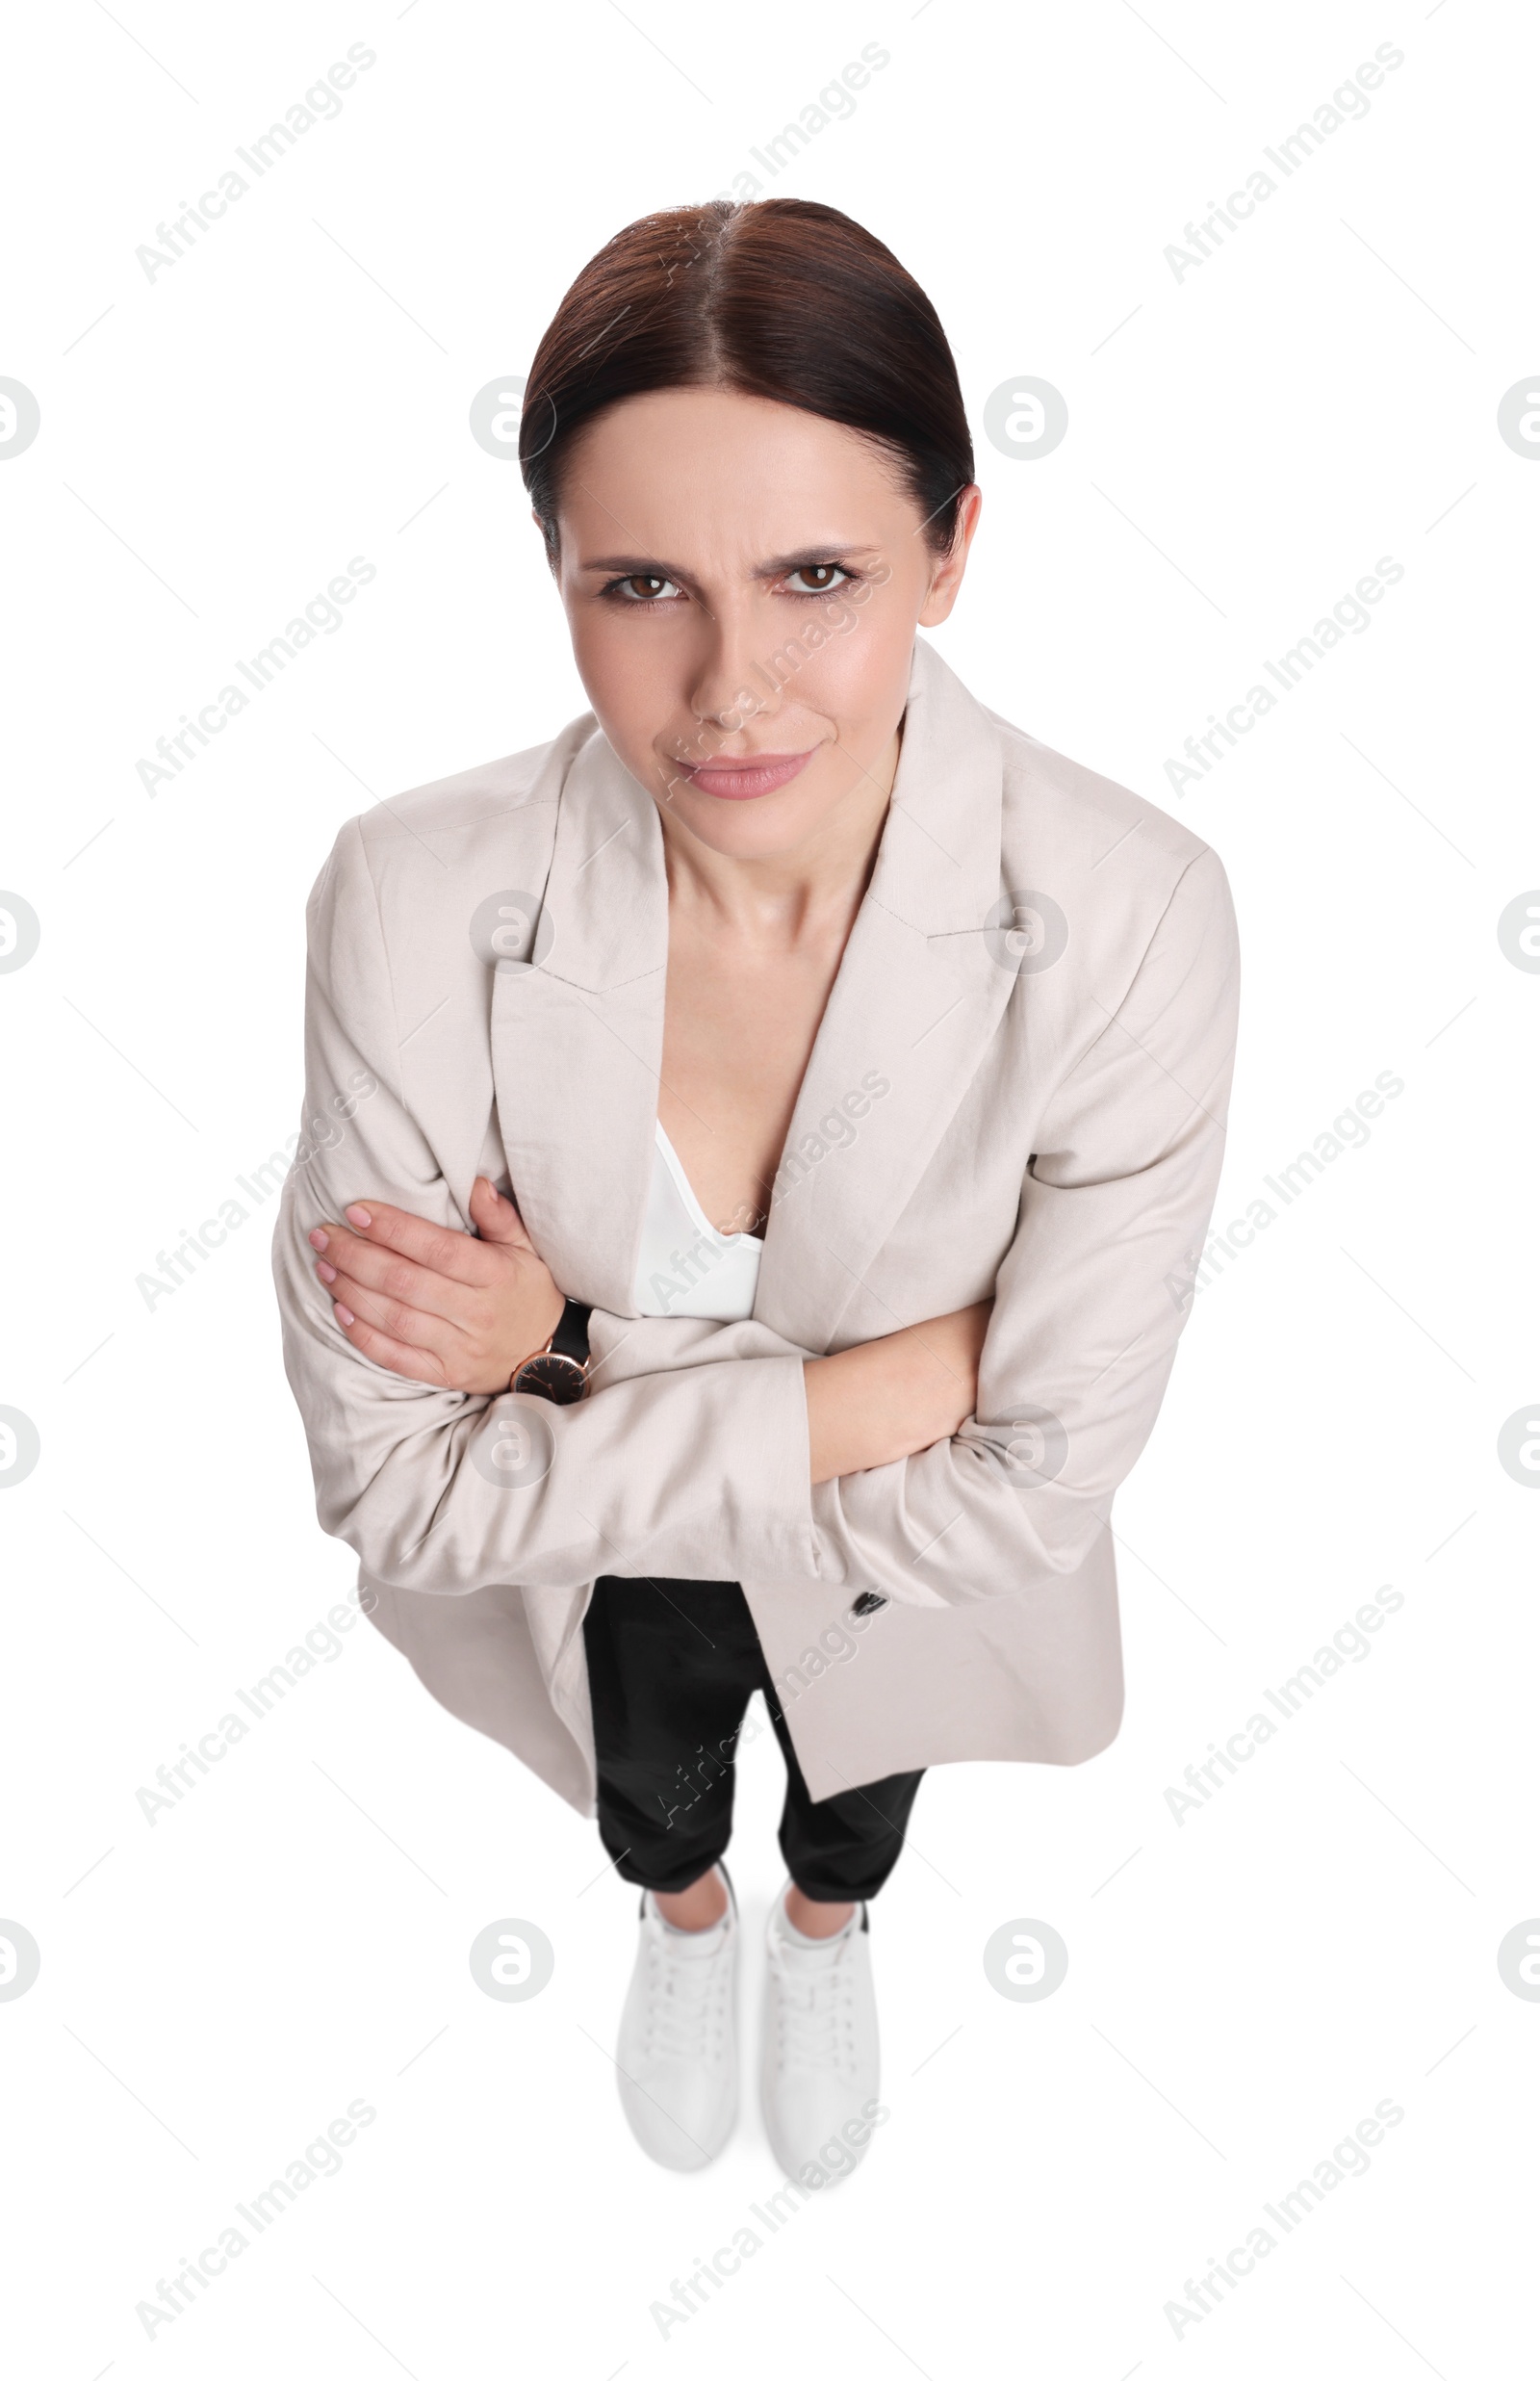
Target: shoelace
(688, 2015)
(816, 2010)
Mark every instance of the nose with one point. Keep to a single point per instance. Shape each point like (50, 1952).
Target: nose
(727, 693)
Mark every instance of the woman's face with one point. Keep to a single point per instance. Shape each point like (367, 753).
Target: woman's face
(743, 582)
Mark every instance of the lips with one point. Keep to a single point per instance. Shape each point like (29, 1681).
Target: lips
(745, 781)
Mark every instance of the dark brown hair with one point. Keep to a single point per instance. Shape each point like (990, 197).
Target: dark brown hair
(779, 297)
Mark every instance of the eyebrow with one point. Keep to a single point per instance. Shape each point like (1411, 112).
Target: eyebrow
(651, 566)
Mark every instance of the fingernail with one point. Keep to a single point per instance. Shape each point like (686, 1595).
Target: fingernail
(360, 1216)
(346, 1319)
(327, 1273)
(318, 1238)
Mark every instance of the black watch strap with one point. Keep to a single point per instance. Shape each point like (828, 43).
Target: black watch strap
(570, 1338)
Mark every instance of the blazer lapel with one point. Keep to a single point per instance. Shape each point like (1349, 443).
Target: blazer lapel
(920, 991)
(577, 1033)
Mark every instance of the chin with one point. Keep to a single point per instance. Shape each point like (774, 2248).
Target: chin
(759, 830)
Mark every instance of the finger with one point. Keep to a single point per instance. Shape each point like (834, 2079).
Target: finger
(496, 1218)
(456, 1255)
(356, 1264)
(428, 1333)
(392, 1354)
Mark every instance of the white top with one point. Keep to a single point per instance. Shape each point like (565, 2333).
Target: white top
(684, 1265)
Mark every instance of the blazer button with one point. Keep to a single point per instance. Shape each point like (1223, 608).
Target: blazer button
(864, 1603)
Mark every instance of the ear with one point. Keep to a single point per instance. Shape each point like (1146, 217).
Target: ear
(946, 576)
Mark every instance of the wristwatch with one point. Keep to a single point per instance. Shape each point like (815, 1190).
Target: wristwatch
(560, 1370)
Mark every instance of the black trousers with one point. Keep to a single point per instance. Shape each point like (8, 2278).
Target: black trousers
(672, 1664)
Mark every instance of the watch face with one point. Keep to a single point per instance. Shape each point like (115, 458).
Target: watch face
(551, 1376)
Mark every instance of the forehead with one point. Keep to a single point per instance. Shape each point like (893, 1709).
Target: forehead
(759, 475)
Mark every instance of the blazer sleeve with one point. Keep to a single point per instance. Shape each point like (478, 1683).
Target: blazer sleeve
(700, 1472)
(1090, 1300)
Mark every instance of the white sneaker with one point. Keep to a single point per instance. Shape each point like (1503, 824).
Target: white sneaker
(678, 2051)
(819, 2065)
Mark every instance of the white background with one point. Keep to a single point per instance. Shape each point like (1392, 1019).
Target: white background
(1244, 444)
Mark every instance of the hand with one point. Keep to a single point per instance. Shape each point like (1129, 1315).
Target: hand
(438, 1306)
(893, 1397)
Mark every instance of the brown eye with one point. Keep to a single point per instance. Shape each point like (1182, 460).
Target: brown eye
(824, 577)
(639, 587)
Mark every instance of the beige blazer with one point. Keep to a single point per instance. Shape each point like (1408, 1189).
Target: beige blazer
(1018, 1088)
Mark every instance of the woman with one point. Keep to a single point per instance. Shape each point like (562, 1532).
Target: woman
(854, 1069)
